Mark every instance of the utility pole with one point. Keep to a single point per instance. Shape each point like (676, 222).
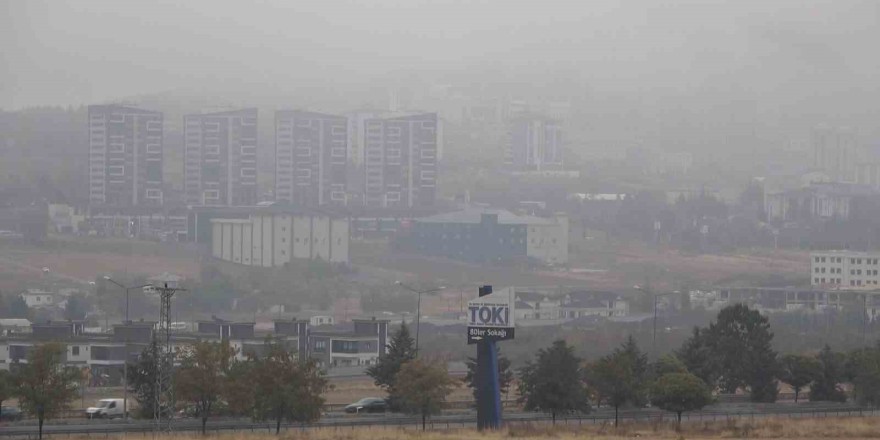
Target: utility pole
(164, 392)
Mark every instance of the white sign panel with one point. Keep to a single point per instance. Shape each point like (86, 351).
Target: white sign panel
(493, 310)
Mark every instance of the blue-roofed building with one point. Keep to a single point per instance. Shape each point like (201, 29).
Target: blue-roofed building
(489, 235)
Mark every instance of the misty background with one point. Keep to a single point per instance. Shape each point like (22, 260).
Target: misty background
(739, 79)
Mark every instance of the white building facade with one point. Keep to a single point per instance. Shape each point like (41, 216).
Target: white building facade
(274, 239)
(845, 269)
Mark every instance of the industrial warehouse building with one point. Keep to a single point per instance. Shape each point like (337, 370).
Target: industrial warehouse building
(272, 236)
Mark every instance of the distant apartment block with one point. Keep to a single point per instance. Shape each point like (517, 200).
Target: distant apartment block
(400, 161)
(535, 145)
(220, 158)
(125, 156)
(835, 152)
(310, 158)
(356, 128)
(845, 269)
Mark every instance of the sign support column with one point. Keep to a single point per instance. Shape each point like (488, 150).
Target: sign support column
(488, 388)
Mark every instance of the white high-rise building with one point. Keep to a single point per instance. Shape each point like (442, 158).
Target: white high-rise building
(125, 156)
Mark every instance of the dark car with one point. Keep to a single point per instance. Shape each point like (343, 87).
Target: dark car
(367, 405)
(9, 414)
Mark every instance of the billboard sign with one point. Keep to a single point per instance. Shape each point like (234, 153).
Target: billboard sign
(491, 317)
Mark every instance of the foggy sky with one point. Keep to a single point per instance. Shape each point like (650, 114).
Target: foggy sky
(768, 57)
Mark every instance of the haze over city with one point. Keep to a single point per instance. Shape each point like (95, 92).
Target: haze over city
(281, 214)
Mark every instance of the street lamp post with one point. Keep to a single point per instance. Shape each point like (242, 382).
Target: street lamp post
(654, 335)
(125, 361)
(419, 305)
(127, 291)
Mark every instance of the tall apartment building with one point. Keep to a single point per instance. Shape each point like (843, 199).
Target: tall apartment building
(220, 158)
(535, 145)
(310, 158)
(835, 152)
(400, 161)
(125, 156)
(845, 269)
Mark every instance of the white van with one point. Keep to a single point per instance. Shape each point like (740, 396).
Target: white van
(106, 409)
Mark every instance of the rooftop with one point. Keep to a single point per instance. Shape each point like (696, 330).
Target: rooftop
(475, 216)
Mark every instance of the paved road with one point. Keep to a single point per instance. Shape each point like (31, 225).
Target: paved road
(461, 420)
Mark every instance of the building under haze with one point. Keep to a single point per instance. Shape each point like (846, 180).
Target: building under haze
(220, 158)
(835, 152)
(400, 161)
(310, 158)
(489, 235)
(271, 236)
(535, 145)
(125, 156)
(847, 269)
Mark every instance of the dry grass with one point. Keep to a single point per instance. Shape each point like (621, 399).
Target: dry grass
(827, 429)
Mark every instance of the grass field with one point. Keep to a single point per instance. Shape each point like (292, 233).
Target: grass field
(827, 429)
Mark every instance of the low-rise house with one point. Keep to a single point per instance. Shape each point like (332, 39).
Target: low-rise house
(36, 299)
(580, 304)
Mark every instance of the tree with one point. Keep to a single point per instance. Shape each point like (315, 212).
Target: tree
(142, 376)
(863, 367)
(621, 377)
(401, 349)
(668, 363)
(735, 352)
(505, 374)
(422, 387)
(200, 379)
(553, 383)
(46, 385)
(679, 393)
(15, 307)
(287, 388)
(830, 373)
(7, 387)
(799, 371)
(741, 340)
(697, 356)
(77, 307)
(238, 388)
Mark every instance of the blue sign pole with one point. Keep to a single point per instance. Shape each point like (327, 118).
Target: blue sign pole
(488, 389)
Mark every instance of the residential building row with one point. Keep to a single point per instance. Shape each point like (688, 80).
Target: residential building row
(533, 305)
(788, 299)
(395, 154)
(397, 157)
(104, 354)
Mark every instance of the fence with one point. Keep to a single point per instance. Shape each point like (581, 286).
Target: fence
(442, 423)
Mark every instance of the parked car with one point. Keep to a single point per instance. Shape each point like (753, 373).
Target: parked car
(10, 414)
(106, 409)
(367, 405)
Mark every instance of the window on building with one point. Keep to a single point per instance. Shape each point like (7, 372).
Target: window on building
(823, 259)
(75, 350)
(816, 280)
(823, 280)
(320, 346)
(817, 258)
